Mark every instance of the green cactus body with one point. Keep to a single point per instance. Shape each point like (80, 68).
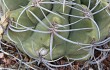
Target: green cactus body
(37, 11)
(13, 4)
(86, 2)
(82, 36)
(59, 44)
(77, 1)
(92, 2)
(40, 40)
(102, 21)
(24, 20)
(59, 9)
(66, 30)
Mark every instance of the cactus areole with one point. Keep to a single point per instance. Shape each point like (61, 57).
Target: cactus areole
(52, 29)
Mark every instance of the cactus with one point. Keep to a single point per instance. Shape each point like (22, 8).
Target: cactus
(83, 36)
(54, 29)
(12, 5)
(103, 26)
(24, 20)
(37, 11)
